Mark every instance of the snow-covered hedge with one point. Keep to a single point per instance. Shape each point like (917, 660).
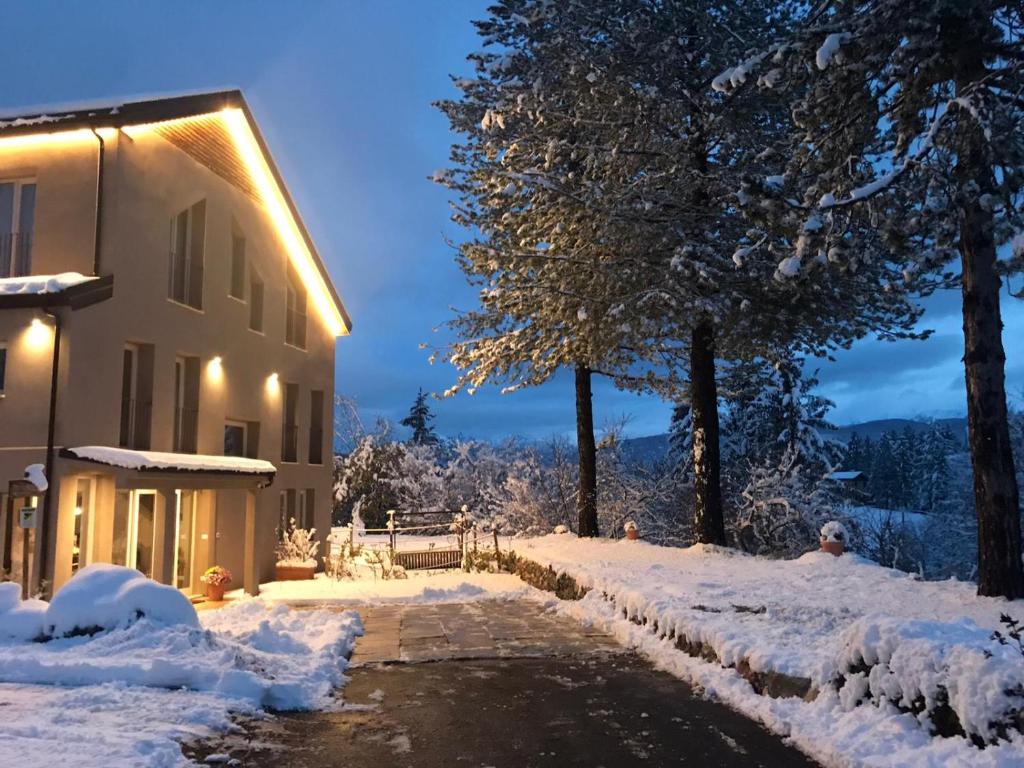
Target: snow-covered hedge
(20, 621)
(934, 669)
(103, 597)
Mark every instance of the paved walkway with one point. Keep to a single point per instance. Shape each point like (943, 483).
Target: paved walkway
(483, 630)
(501, 685)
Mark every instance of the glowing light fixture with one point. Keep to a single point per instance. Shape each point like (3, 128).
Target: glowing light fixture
(39, 139)
(38, 334)
(215, 368)
(273, 384)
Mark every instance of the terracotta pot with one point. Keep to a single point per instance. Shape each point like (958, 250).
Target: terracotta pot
(215, 592)
(294, 573)
(632, 534)
(833, 547)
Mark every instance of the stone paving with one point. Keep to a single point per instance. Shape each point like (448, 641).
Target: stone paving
(481, 630)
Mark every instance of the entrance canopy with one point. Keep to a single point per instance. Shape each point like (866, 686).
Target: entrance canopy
(186, 469)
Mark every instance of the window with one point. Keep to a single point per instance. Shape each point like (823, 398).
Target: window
(17, 220)
(3, 367)
(234, 439)
(289, 425)
(188, 244)
(186, 404)
(136, 393)
(295, 311)
(238, 266)
(308, 508)
(287, 510)
(316, 427)
(255, 302)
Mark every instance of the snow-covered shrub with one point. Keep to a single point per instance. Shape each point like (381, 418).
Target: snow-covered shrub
(102, 597)
(835, 532)
(297, 547)
(216, 575)
(952, 676)
(561, 530)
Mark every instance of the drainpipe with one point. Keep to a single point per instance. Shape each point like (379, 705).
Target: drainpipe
(44, 518)
(98, 229)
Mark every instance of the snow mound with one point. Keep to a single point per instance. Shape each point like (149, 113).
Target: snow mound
(103, 597)
(19, 621)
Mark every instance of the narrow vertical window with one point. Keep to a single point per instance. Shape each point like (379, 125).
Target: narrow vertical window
(289, 424)
(295, 311)
(17, 221)
(316, 427)
(238, 266)
(3, 367)
(187, 259)
(255, 303)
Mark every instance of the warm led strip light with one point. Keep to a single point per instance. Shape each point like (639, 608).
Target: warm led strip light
(270, 192)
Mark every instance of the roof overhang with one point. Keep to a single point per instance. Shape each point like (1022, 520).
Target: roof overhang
(79, 296)
(230, 107)
(156, 464)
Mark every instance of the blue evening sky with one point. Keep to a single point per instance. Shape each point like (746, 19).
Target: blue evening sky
(343, 90)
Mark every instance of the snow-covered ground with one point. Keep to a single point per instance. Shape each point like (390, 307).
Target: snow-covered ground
(127, 695)
(815, 617)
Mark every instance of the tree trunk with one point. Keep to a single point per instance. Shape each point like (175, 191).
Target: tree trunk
(709, 521)
(586, 501)
(996, 499)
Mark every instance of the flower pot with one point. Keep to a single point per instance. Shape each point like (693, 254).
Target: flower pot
(215, 592)
(632, 534)
(833, 547)
(294, 572)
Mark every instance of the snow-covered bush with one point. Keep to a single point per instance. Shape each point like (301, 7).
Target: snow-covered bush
(297, 547)
(835, 532)
(103, 597)
(952, 676)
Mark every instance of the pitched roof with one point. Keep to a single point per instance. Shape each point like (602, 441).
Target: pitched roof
(150, 111)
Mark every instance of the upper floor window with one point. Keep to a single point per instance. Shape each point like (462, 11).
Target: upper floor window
(3, 366)
(136, 396)
(295, 317)
(234, 438)
(188, 245)
(290, 424)
(186, 404)
(316, 427)
(237, 290)
(255, 302)
(17, 219)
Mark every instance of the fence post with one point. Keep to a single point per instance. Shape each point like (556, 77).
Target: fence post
(391, 534)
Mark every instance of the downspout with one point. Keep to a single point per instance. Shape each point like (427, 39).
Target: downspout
(50, 432)
(98, 228)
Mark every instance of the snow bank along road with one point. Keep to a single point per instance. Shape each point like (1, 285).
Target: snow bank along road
(903, 672)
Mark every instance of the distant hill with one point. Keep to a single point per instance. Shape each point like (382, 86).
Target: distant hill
(654, 447)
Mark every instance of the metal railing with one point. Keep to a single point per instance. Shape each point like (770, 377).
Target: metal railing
(186, 428)
(136, 416)
(15, 254)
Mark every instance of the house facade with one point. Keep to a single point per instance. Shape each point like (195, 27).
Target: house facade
(167, 338)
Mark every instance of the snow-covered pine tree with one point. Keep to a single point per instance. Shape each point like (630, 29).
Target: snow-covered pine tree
(418, 421)
(907, 149)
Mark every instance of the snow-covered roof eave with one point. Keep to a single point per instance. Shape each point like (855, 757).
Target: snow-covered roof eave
(37, 285)
(159, 461)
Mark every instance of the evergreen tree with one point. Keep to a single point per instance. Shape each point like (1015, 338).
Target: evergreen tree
(418, 421)
(907, 150)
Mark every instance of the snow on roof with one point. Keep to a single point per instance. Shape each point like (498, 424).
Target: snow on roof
(31, 114)
(846, 475)
(181, 462)
(39, 284)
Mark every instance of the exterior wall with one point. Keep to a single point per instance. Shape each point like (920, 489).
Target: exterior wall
(148, 181)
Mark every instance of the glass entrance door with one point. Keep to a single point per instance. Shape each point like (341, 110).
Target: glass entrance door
(134, 530)
(184, 537)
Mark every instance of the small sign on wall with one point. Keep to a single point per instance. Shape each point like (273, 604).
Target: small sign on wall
(27, 517)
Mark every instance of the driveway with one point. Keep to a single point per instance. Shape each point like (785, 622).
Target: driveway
(507, 685)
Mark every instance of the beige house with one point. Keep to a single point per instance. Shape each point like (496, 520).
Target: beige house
(167, 336)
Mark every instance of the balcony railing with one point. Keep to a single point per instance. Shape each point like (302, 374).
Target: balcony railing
(15, 254)
(186, 430)
(290, 443)
(136, 416)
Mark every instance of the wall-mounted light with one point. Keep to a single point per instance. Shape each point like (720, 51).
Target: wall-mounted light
(215, 368)
(38, 334)
(273, 384)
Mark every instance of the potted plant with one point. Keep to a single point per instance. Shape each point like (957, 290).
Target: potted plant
(216, 578)
(632, 532)
(834, 537)
(296, 553)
